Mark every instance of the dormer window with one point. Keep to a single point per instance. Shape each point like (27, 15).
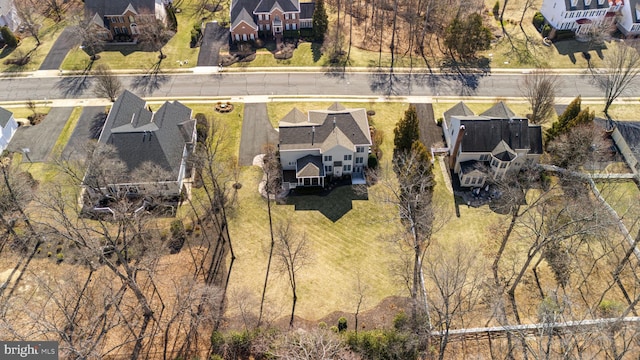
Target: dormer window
(587, 3)
(600, 2)
(574, 3)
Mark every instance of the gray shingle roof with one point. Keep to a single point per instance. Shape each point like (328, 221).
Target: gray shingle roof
(483, 135)
(630, 131)
(265, 6)
(238, 10)
(499, 110)
(117, 7)
(309, 166)
(459, 109)
(141, 136)
(307, 9)
(352, 124)
(5, 116)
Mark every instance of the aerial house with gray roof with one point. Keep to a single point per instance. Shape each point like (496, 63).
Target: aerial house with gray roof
(118, 19)
(324, 143)
(144, 140)
(490, 144)
(249, 18)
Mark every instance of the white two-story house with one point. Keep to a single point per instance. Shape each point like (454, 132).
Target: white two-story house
(629, 20)
(580, 16)
(490, 144)
(8, 127)
(324, 143)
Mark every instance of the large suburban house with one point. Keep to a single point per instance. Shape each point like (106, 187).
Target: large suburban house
(119, 18)
(489, 145)
(9, 15)
(8, 126)
(580, 16)
(250, 18)
(629, 21)
(324, 143)
(626, 136)
(164, 139)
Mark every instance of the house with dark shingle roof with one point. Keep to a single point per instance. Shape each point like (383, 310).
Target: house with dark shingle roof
(164, 139)
(322, 143)
(8, 127)
(626, 136)
(250, 18)
(580, 16)
(490, 144)
(119, 18)
(9, 15)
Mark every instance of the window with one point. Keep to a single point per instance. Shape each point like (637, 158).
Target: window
(347, 168)
(494, 162)
(268, 27)
(293, 16)
(466, 181)
(360, 149)
(124, 30)
(266, 17)
(359, 160)
(120, 19)
(286, 16)
(113, 19)
(347, 157)
(293, 26)
(503, 165)
(131, 19)
(484, 157)
(117, 30)
(291, 163)
(328, 158)
(328, 168)
(261, 27)
(286, 26)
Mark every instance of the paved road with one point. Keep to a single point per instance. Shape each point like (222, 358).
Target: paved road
(256, 132)
(213, 38)
(41, 138)
(290, 84)
(65, 42)
(86, 129)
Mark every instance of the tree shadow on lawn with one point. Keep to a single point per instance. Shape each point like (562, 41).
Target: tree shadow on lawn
(332, 203)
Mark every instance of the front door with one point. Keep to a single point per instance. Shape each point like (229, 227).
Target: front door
(337, 171)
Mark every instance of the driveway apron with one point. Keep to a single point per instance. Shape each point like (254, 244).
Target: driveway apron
(257, 131)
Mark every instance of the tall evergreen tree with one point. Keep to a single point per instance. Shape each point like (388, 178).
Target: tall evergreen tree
(407, 131)
(8, 37)
(320, 21)
(566, 119)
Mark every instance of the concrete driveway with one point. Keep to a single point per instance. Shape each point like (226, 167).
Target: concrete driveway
(41, 138)
(256, 132)
(89, 126)
(213, 38)
(59, 50)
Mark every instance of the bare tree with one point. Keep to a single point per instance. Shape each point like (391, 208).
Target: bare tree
(107, 83)
(539, 88)
(313, 344)
(91, 37)
(457, 277)
(621, 68)
(293, 254)
(54, 9)
(153, 34)
(29, 13)
(586, 144)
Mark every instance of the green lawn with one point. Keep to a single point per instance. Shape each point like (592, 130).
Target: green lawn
(65, 135)
(23, 112)
(128, 56)
(48, 35)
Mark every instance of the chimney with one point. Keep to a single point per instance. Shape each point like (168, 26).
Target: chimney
(334, 122)
(454, 154)
(313, 134)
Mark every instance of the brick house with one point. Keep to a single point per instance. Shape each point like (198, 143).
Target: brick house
(118, 18)
(272, 18)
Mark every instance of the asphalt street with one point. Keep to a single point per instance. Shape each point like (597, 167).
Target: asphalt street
(292, 84)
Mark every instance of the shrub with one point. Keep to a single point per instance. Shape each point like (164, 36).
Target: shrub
(322, 325)
(538, 20)
(384, 344)
(342, 324)
(8, 37)
(439, 121)
(496, 9)
(60, 258)
(546, 29)
(400, 321)
(372, 162)
(202, 127)
(291, 34)
(306, 33)
(610, 308)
